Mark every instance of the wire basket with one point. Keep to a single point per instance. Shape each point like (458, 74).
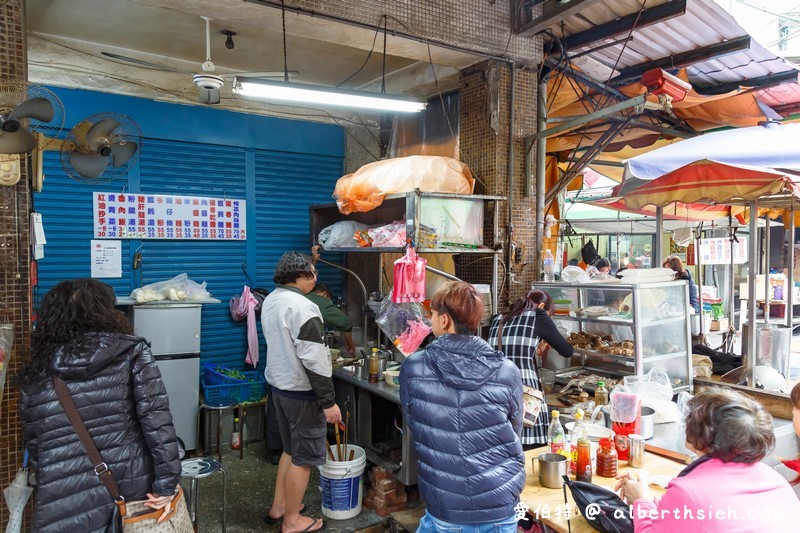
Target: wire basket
(238, 392)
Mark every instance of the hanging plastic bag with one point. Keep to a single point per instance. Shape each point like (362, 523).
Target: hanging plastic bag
(365, 189)
(409, 278)
(405, 324)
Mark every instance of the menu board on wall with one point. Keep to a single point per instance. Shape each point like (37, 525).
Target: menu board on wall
(718, 251)
(163, 216)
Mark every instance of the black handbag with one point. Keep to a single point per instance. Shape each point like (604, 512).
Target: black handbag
(607, 512)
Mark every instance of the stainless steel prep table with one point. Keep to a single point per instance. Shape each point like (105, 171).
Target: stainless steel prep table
(365, 393)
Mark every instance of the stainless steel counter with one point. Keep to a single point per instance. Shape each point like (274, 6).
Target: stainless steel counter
(369, 406)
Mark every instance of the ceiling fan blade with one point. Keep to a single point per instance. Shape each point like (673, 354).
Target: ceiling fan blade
(99, 132)
(143, 63)
(122, 152)
(209, 96)
(88, 166)
(19, 142)
(269, 74)
(37, 108)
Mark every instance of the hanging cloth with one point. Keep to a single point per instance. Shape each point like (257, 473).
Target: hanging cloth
(409, 278)
(245, 306)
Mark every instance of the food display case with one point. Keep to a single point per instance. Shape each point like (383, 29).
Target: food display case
(621, 329)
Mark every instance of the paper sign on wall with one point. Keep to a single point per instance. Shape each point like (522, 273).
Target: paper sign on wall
(717, 251)
(106, 259)
(162, 216)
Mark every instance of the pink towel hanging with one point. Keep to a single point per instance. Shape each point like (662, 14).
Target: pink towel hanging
(244, 306)
(409, 278)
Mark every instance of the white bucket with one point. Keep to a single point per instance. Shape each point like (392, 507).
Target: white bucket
(341, 485)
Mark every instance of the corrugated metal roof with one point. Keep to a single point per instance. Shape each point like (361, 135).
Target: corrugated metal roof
(704, 24)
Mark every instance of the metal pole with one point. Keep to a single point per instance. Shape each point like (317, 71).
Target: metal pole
(541, 155)
(699, 262)
(510, 225)
(751, 295)
(766, 270)
(657, 251)
(790, 282)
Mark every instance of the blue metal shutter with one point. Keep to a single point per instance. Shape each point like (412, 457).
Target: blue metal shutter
(286, 184)
(194, 169)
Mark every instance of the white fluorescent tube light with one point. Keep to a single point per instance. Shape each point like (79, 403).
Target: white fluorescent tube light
(312, 94)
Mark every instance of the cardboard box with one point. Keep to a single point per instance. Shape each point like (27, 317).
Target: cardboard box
(719, 325)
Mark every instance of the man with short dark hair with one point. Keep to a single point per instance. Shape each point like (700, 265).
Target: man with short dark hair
(299, 371)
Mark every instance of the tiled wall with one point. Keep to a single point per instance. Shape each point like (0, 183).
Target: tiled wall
(14, 270)
(485, 114)
(476, 25)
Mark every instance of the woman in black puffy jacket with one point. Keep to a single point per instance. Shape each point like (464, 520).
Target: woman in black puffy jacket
(113, 379)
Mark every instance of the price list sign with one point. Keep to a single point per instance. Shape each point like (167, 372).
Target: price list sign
(718, 251)
(161, 216)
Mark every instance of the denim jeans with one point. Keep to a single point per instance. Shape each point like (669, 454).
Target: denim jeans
(429, 524)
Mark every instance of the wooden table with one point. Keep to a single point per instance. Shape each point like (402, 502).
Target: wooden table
(548, 504)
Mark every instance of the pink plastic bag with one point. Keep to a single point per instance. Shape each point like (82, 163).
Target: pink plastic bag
(409, 278)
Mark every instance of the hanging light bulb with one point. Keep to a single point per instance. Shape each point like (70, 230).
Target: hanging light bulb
(229, 40)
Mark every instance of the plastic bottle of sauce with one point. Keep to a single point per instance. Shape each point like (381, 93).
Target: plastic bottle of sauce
(236, 436)
(601, 394)
(577, 434)
(374, 366)
(583, 470)
(606, 459)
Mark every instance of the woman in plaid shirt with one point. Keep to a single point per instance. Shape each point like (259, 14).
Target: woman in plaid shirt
(526, 324)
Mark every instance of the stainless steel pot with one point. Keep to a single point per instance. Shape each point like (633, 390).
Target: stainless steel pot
(383, 360)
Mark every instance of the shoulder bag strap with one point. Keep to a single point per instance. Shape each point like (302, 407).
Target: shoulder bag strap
(101, 469)
(500, 333)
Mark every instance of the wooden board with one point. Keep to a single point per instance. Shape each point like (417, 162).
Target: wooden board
(548, 504)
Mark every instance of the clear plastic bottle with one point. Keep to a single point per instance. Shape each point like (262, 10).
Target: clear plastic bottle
(578, 433)
(601, 394)
(236, 436)
(549, 265)
(374, 366)
(555, 433)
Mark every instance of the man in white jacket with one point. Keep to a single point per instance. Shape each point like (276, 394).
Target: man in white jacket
(299, 371)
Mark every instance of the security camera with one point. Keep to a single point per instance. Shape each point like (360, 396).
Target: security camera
(659, 82)
(209, 81)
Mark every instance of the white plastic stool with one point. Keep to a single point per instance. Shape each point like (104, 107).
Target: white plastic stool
(196, 469)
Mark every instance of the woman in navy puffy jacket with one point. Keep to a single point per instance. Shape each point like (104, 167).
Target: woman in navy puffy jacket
(462, 400)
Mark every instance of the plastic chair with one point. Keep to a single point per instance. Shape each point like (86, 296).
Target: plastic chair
(196, 469)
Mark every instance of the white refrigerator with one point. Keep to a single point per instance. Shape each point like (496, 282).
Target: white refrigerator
(173, 331)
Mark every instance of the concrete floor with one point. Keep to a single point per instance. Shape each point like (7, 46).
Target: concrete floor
(250, 488)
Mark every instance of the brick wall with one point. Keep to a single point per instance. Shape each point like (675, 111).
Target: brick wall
(14, 278)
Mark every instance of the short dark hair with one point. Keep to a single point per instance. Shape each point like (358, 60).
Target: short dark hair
(729, 426)
(462, 302)
(321, 288)
(601, 262)
(291, 266)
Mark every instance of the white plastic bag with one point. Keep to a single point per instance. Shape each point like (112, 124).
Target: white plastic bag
(341, 235)
(655, 391)
(179, 288)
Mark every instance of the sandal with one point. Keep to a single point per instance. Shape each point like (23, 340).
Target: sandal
(269, 520)
(312, 524)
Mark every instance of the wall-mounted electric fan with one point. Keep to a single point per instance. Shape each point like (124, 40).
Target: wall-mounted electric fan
(101, 148)
(25, 110)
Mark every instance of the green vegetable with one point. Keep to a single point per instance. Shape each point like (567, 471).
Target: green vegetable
(232, 373)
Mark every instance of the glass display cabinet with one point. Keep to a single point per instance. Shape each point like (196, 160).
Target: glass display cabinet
(623, 329)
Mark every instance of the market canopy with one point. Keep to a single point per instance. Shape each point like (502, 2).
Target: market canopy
(713, 182)
(769, 146)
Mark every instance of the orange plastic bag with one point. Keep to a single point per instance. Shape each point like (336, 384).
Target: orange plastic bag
(366, 188)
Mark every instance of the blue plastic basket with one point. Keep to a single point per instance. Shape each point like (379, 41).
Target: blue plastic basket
(240, 391)
(213, 377)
